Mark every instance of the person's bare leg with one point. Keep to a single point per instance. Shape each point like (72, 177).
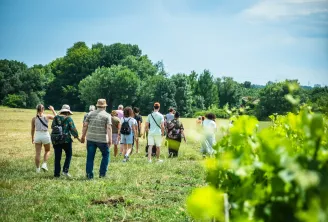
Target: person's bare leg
(121, 148)
(137, 146)
(124, 149)
(46, 152)
(150, 147)
(115, 150)
(128, 149)
(158, 151)
(38, 147)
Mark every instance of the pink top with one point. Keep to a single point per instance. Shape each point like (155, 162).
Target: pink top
(119, 113)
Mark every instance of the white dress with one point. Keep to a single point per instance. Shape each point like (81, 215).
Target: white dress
(209, 129)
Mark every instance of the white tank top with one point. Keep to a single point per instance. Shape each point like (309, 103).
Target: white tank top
(39, 126)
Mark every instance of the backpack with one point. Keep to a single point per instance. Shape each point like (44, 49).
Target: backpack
(125, 128)
(57, 134)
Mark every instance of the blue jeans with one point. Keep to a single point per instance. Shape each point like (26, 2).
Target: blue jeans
(67, 147)
(91, 152)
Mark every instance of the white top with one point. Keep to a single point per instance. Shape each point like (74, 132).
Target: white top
(39, 126)
(154, 130)
(169, 117)
(132, 122)
(209, 127)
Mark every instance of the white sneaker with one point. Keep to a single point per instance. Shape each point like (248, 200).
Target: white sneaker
(66, 175)
(44, 167)
(160, 161)
(149, 161)
(38, 170)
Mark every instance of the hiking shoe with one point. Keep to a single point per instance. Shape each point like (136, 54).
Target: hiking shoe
(160, 161)
(38, 170)
(44, 167)
(66, 174)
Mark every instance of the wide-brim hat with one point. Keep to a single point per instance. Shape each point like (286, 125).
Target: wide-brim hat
(101, 103)
(65, 108)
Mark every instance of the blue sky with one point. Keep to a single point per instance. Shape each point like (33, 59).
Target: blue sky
(249, 40)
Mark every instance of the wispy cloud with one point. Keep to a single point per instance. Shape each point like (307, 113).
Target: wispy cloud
(286, 9)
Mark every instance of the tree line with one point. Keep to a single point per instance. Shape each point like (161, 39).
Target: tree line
(121, 74)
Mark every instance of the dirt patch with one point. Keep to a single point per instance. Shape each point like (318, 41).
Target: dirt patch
(111, 201)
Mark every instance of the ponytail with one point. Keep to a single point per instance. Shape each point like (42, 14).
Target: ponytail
(39, 108)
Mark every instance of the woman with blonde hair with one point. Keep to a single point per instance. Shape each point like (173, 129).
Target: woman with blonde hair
(41, 136)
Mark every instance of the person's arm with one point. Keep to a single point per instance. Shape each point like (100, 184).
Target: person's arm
(53, 113)
(72, 129)
(119, 131)
(84, 131)
(33, 129)
(135, 129)
(109, 131)
(182, 133)
(109, 134)
(162, 128)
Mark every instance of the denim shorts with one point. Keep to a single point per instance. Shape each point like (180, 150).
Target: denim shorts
(127, 139)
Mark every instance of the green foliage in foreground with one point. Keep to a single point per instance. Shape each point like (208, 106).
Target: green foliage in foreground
(278, 174)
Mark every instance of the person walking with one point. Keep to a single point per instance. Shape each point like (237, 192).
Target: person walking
(174, 135)
(209, 130)
(120, 111)
(128, 129)
(155, 129)
(120, 116)
(97, 129)
(91, 108)
(170, 115)
(138, 118)
(116, 127)
(39, 128)
(62, 128)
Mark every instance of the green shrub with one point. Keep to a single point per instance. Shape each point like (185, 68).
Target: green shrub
(15, 100)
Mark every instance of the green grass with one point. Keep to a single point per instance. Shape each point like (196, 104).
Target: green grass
(133, 191)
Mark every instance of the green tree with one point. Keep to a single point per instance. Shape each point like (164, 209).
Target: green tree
(230, 92)
(115, 53)
(116, 84)
(193, 82)
(319, 99)
(183, 95)
(10, 77)
(156, 89)
(273, 98)
(208, 89)
(142, 66)
(79, 62)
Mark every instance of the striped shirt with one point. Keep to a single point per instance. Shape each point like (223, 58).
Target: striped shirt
(98, 121)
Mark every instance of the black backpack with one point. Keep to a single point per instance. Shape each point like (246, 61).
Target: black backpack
(125, 128)
(57, 134)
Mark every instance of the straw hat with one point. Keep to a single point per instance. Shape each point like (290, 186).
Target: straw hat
(65, 108)
(114, 113)
(101, 103)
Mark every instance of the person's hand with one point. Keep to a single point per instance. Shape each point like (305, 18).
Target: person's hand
(82, 140)
(51, 108)
(109, 143)
(78, 139)
(184, 138)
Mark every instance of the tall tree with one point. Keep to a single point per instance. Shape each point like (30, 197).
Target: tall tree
(230, 92)
(183, 94)
(78, 62)
(207, 89)
(116, 84)
(142, 66)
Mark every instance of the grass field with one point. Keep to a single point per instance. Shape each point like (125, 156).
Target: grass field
(133, 191)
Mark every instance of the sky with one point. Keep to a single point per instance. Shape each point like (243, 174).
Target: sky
(249, 40)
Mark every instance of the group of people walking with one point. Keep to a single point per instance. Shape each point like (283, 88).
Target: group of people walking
(122, 129)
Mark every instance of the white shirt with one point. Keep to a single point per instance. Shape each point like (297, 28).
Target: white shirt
(154, 130)
(209, 127)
